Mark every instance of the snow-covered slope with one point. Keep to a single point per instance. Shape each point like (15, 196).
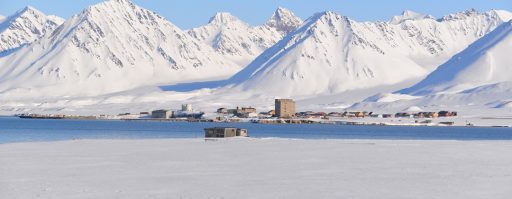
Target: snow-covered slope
(486, 100)
(240, 42)
(1, 18)
(332, 54)
(322, 56)
(24, 27)
(487, 61)
(112, 46)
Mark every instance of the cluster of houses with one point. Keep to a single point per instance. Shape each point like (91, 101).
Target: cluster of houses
(363, 114)
(427, 114)
(283, 109)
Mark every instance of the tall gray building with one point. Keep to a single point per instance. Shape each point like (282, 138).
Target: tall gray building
(285, 108)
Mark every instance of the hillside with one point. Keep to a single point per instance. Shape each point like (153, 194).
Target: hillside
(109, 47)
(487, 61)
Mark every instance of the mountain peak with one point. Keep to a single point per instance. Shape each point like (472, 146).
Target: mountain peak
(461, 15)
(25, 26)
(326, 16)
(223, 18)
(110, 6)
(502, 14)
(127, 2)
(284, 20)
(408, 15)
(27, 10)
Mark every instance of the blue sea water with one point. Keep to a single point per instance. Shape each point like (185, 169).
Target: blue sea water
(29, 130)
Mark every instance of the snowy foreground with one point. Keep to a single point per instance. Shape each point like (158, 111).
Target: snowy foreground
(256, 168)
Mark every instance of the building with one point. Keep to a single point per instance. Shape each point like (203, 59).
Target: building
(222, 132)
(186, 107)
(246, 112)
(222, 110)
(447, 114)
(387, 115)
(285, 108)
(403, 114)
(161, 114)
(426, 115)
(272, 113)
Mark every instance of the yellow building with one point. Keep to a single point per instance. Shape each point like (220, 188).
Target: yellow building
(285, 108)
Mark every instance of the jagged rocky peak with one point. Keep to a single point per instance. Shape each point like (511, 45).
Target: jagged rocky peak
(409, 15)
(34, 13)
(502, 14)
(121, 8)
(223, 18)
(462, 15)
(29, 10)
(25, 26)
(26, 12)
(327, 18)
(284, 20)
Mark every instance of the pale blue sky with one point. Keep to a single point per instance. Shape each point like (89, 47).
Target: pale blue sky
(192, 13)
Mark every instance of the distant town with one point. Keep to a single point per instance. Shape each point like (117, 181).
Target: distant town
(284, 112)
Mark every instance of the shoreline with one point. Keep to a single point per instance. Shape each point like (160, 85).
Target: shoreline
(255, 139)
(424, 122)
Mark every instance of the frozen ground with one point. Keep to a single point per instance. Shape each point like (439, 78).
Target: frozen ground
(256, 168)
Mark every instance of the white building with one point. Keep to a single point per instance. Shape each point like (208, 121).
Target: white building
(186, 107)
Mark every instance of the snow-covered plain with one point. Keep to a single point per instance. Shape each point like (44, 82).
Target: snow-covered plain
(256, 168)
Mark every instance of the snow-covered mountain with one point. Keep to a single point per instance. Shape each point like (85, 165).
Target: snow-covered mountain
(332, 54)
(240, 42)
(112, 46)
(24, 27)
(474, 80)
(487, 61)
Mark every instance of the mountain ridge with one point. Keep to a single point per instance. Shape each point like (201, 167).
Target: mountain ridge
(241, 42)
(352, 55)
